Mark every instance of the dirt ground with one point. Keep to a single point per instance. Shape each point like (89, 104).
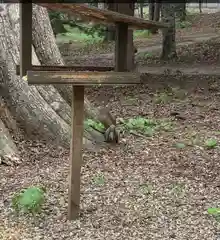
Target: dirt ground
(151, 188)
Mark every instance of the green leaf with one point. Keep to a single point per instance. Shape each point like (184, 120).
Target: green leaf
(211, 143)
(213, 211)
(180, 145)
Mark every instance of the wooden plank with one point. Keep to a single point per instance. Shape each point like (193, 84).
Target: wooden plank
(82, 78)
(121, 44)
(103, 16)
(76, 152)
(25, 37)
(66, 68)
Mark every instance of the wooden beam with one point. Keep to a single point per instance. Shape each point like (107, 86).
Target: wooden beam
(25, 37)
(76, 152)
(103, 16)
(82, 78)
(66, 68)
(121, 44)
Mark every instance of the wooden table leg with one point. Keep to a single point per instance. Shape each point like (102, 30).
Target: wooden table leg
(76, 151)
(121, 44)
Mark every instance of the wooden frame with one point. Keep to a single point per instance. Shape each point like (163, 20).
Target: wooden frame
(82, 78)
(69, 75)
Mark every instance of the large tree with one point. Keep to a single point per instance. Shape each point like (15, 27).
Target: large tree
(169, 34)
(39, 110)
(181, 11)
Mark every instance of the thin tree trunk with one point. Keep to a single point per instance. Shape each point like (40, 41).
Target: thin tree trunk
(141, 10)
(151, 10)
(200, 6)
(157, 7)
(157, 11)
(169, 34)
(181, 11)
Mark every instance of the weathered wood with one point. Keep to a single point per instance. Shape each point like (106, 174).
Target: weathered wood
(103, 16)
(82, 78)
(76, 152)
(25, 37)
(65, 68)
(121, 44)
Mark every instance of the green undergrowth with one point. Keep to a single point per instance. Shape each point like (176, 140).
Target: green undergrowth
(146, 126)
(29, 200)
(90, 124)
(169, 95)
(215, 213)
(183, 24)
(142, 34)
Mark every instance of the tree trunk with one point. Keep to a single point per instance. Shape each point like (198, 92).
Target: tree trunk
(169, 34)
(181, 11)
(151, 10)
(49, 54)
(141, 10)
(110, 33)
(27, 105)
(157, 11)
(8, 151)
(157, 7)
(200, 6)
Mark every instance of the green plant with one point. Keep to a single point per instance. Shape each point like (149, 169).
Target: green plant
(163, 97)
(177, 189)
(145, 126)
(146, 188)
(29, 200)
(180, 145)
(99, 179)
(183, 24)
(139, 124)
(215, 212)
(90, 123)
(211, 143)
(142, 34)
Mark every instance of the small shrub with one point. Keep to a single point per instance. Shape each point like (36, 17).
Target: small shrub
(146, 126)
(215, 212)
(180, 145)
(99, 179)
(90, 123)
(143, 125)
(163, 98)
(211, 143)
(184, 24)
(146, 189)
(29, 200)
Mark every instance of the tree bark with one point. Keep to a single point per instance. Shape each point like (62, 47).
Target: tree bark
(110, 34)
(151, 10)
(26, 104)
(8, 151)
(169, 34)
(49, 54)
(156, 17)
(181, 11)
(157, 11)
(200, 6)
(141, 10)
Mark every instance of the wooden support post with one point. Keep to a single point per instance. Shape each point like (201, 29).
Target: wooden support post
(76, 151)
(25, 37)
(121, 43)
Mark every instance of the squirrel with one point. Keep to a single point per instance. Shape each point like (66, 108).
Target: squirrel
(111, 133)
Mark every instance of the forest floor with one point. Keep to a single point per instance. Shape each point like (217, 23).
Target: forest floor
(147, 187)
